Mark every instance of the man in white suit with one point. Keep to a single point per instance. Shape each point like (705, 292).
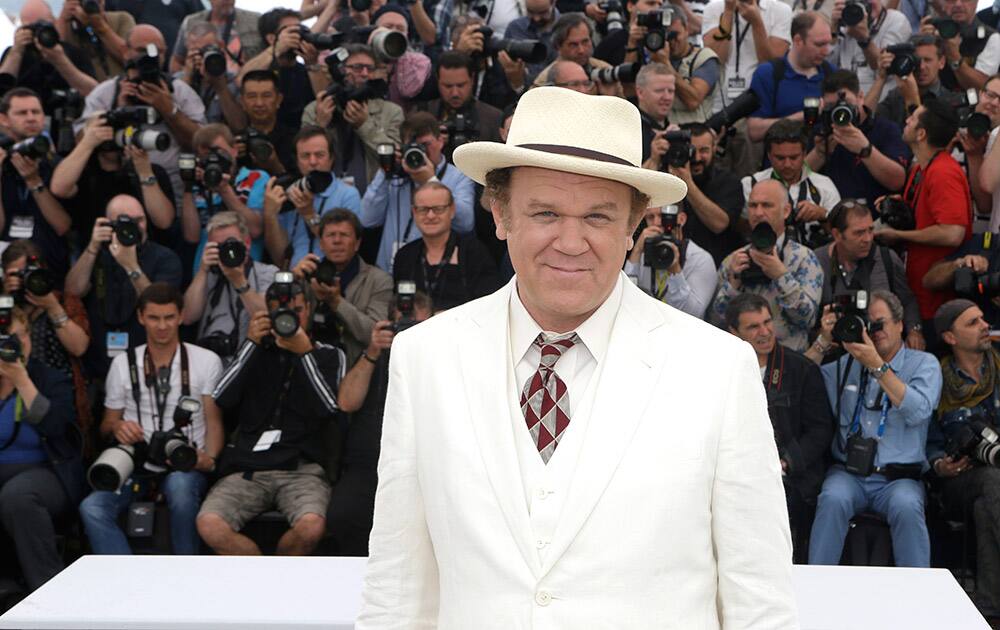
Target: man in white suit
(568, 452)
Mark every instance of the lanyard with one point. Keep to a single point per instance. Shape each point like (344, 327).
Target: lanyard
(18, 411)
(432, 275)
(739, 37)
(153, 382)
(856, 421)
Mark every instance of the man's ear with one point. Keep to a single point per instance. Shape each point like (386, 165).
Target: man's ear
(499, 218)
(949, 338)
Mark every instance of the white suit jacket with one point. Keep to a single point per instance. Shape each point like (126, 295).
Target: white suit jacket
(675, 517)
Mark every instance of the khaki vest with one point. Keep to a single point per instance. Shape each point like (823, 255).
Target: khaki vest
(680, 114)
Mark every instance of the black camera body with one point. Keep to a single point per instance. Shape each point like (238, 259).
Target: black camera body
(855, 12)
(526, 50)
(35, 280)
(946, 27)
(657, 24)
(321, 41)
(130, 124)
(461, 128)
(370, 90)
(232, 253)
(977, 124)
(257, 144)
(126, 230)
(171, 449)
(214, 165)
(763, 238)
(130, 116)
(405, 303)
(45, 32)
(840, 114)
(326, 272)
(284, 320)
(414, 155)
(974, 38)
(972, 285)
(312, 182)
(852, 311)
(977, 440)
(149, 66)
(897, 214)
(213, 59)
(35, 147)
(904, 59)
(657, 252)
(680, 152)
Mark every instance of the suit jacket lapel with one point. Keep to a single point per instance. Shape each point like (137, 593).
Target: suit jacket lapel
(487, 392)
(625, 389)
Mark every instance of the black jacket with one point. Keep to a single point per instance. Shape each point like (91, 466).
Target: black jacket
(270, 388)
(801, 417)
(475, 275)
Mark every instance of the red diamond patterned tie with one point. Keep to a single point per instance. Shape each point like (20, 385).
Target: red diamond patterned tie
(544, 400)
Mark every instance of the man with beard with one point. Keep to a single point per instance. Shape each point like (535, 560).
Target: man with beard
(480, 121)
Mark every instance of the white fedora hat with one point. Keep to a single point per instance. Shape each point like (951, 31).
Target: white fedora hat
(564, 130)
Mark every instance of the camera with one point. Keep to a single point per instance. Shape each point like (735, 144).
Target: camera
(91, 7)
(946, 27)
(130, 116)
(740, 107)
(35, 280)
(977, 124)
(679, 153)
(527, 50)
(975, 439)
(388, 45)
(10, 345)
(35, 147)
(232, 253)
(840, 113)
(763, 239)
(213, 60)
(312, 182)
(810, 111)
(148, 66)
(461, 129)
(657, 25)
(129, 122)
(214, 165)
(626, 73)
(322, 41)
(186, 163)
(45, 32)
(367, 91)
(904, 59)
(257, 144)
(326, 272)
(897, 214)
(114, 466)
(852, 311)
(657, 253)
(970, 284)
(854, 12)
(66, 107)
(414, 155)
(615, 20)
(284, 321)
(126, 230)
(405, 293)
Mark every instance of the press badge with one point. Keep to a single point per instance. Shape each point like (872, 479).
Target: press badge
(267, 440)
(22, 226)
(117, 343)
(735, 86)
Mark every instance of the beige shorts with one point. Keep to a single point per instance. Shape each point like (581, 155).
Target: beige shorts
(294, 493)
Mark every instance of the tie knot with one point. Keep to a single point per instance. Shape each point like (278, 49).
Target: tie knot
(553, 347)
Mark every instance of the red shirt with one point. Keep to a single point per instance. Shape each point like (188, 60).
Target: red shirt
(942, 197)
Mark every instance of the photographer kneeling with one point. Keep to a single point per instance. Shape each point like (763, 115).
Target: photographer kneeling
(883, 394)
(669, 267)
(282, 387)
(167, 429)
(40, 471)
(962, 445)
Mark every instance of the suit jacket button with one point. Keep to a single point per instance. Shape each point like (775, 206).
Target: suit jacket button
(542, 598)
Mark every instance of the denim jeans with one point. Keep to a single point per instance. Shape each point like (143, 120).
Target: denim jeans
(844, 495)
(184, 492)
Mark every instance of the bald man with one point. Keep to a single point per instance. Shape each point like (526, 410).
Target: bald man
(44, 69)
(785, 273)
(181, 111)
(570, 74)
(124, 271)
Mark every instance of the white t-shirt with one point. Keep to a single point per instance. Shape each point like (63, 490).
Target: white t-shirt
(504, 12)
(847, 54)
(988, 60)
(829, 196)
(205, 369)
(742, 60)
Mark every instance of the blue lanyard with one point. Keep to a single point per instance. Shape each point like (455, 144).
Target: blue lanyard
(856, 422)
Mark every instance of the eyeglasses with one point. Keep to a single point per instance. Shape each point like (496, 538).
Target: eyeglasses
(586, 83)
(989, 94)
(424, 210)
(360, 67)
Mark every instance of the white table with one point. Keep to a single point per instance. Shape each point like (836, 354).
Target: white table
(205, 592)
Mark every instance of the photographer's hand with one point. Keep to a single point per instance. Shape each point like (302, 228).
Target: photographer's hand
(128, 432)
(325, 106)
(513, 69)
(420, 175)
(306, 267)
(675, 268)
(23, 38)
(355, 113)
(55, 55)
(850, 137)
(470, 42)
(595, 12)
(302, 200)
(127, 91)
(27, 169)
(299, 343)
(947, 467)
(157, 96)
(809, 211)
(739, 262)
(260, 326)
(289, 40)
(978, 264)
(971, 145)
(329, 293)
(769, 263)
(649, 232)
(826, 324)
(209, 255)
(683, 172)
(888, 236)
(865, 352)
(750, 11)
(884, 61)
(381, 338)
(837, 11)
(274, 197)
(234, 275)
(126, 257)
(140, 161)
(95, 132)
(100, 235)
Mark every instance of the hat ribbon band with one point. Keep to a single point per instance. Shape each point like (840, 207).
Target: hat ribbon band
(589, 154)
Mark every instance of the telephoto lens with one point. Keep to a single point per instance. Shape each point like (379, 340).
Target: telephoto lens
(112, 468)
(313, 182)
(763, 237)
(126, 230)
(232, 253)
(214, 60)
(414, 155)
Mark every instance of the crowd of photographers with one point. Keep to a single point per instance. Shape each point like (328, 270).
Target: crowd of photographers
(215, 221)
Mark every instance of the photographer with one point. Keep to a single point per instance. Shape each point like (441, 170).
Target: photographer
(697, 74)
(537, 25)
(407, 74)
(852, 263)
(41, 476)
(297, 82)
(179, 109)
(971, 48)
(986, 184)
(388, 200)
(237, 27)
(454, 82)
(143, 390)
(97, 170)
(101, 35)
(260, 98)
(57, 322)
(351, 294)
(782, 271)
(362, 394)
(714, 200)
(798, 408)
(300, 229)
(963, 269)
(165, 15)
(973, 141)
(673, 270)
(967, 476)
(866, 30)
(226, 290)
(572, 39)
(215, 86)
(937, 194)
(883, 394)
(622, 44)
(360, 126)
(864, 158)
(914, 88)
(570, 75)
(219, 186)
(655, 90)
(29, 63)
(783, 83)
(109, 276)
(811, 194)
(497, 80)
(451, 269)
(282, 389)
(28, 209)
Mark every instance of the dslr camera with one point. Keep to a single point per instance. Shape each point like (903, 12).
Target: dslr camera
(169, 449)
(35, 280)
(148, 66)
(657, 252)
(232, 253)
(897, 214)
(763, 239)
(66, 107)
(257, 144)
(977, 124)
(126, 230)
(615, 20)
(312, 182)
(414, 155)
(129, 124)
(10, 345)
(213, 60)
(214, 165)
(45, 32)
(35, 147)
(841, 114)
(680, 151)
(284, 320)
(972, 285)
(406, 291)
(977, 440)
(626, 73)
(855, 12)
(657, 25)
(904, 59)
(527, 50)
(369, 90)
(852, 318)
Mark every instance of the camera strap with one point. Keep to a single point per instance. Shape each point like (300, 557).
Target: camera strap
(18, 412)
(915, 183)
(774, 373)
(862, 392)
(153, 383)
(432, 274)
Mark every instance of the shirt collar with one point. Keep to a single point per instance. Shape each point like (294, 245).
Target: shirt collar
(594, 333)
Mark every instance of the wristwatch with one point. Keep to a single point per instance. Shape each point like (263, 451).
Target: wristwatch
(864, 43)
(955, 64)
(135, 275)
(879, 372)
(243, 289)
(313, 221)
(37, 189)
(865, 152)
(148, 181)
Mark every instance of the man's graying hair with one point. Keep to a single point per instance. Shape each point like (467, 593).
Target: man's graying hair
(565, 23)
(657, 68)
(890, 299)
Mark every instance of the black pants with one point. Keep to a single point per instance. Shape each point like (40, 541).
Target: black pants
(978, 490)
(352, 505)
(31, 496)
